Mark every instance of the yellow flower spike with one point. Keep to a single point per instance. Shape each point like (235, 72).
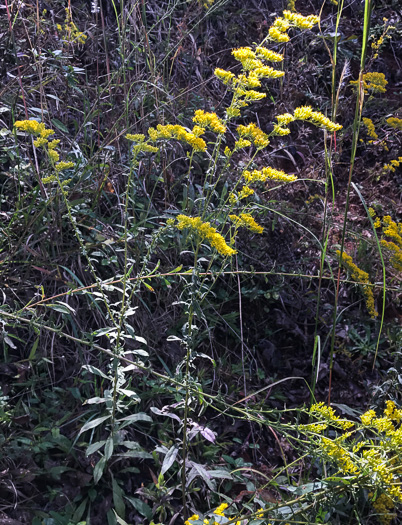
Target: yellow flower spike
(210, 120)
(246, 221)
(53, 144)
(64, 165)
(223, 75)
(285, 119)
(242, 143)
(40, 142)
(255, 134)
(363, 278)
(138, 137)
(220, 509)
(370, 128)
(300, 21)
(267, 72)
(267, 174)
(194, 517)
(278, 130)
(205, 231)
(277, 35)
(267, 54)
(54, 155)
(374, 82)
(395, 123)
(243, 53)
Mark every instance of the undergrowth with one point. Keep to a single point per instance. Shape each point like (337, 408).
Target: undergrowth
(200, 256)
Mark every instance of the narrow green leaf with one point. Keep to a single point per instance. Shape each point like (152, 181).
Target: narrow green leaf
(170, 458)
(94, 423)
(98, 470)
(109, 448)
(94, 447)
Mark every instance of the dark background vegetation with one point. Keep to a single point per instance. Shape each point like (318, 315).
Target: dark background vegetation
(145, 63)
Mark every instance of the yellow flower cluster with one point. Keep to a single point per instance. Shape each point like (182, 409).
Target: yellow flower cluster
(393, 230)
(170, 131)
(328, 413)
(383, 505)
(70, 32)
(268, 55)
(254, 134)
(34, 128)
(372, 462)
(253, 70)
(374, 82)
(209, 120)
(267, 174)
(39, 130)
(370, 128)
(64, 165)
(207, 3)
(245, 220)
(245, 192)
(300, 21)
(395, 163)
(140, 145)
(223, 75)
(316, 118)
(339, 455)
(395, 123)
(205, 231)
(363, 278)
(278, 31)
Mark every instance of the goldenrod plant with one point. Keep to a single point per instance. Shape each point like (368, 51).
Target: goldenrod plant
(178, 227)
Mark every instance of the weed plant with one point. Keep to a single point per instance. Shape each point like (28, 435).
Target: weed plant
(156, 265)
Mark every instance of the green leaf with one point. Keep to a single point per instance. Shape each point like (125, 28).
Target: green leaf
(95, 371)
(135, 417)
(32, 353)
(118, 499)
(59, 125)
(94, 447)
(94, 423)
(62, 308)
(80, 511)
(143, 508)
(120, 520)
(109, 448)
(170, 458)
(98, 470)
